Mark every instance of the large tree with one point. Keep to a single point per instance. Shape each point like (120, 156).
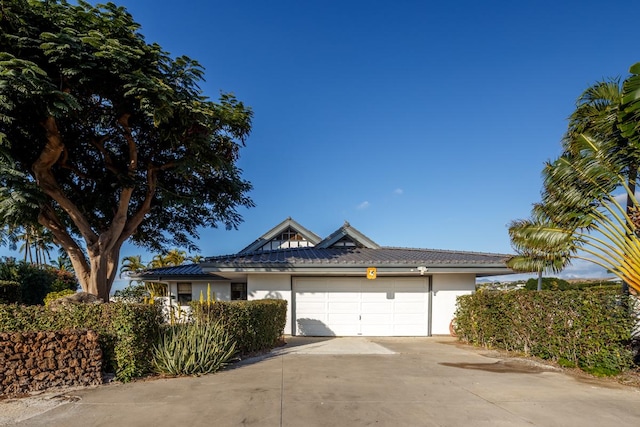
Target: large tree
(589, 207)
(114, 134)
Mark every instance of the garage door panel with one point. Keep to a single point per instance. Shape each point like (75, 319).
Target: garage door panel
(312, 296)
(376, 307)
(410, 307)
(342, 307)
(380, 296)
(409, 319)
(377, 319)
(342, 296)
(356, 306)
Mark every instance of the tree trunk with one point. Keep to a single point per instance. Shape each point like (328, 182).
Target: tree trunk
(540, 280)
(96, 268)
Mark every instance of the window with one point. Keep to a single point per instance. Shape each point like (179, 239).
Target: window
(184, 293)
(238, 291)
(345, 242)
(288, 239)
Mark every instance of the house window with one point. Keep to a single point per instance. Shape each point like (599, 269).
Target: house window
(288, 239)
(184, 293)
(238, 292)
(345, 242)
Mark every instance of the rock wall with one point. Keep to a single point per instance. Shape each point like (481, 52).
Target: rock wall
(32, 361)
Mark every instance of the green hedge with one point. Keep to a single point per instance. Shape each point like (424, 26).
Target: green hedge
(590, 329)
(254, 325)
(10, 292)
(127, 332)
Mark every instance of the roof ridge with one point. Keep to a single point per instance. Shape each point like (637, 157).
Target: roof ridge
(446, 250)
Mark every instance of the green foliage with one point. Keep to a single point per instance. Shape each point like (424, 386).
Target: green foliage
(127, 332)
(548, 283)
(63, 280)
(132, 294)
(35, 282)
(254, 325)
(590, 329)
(193, 349)
(10, 292)
(110, 137)
(52, 296)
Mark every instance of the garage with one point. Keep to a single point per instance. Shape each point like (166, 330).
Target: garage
(348, 306)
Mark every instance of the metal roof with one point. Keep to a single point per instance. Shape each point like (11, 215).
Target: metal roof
(187, 271)
(358, 256)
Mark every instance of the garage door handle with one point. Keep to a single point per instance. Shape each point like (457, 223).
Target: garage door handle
(360, 317)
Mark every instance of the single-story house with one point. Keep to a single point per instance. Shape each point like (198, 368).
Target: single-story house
(342, 285)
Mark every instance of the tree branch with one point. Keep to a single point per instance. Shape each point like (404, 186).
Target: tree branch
(46, 180)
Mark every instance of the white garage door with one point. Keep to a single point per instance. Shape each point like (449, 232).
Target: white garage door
(357, 306)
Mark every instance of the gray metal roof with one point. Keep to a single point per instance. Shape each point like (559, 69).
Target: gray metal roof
(358, 256)
(186, 271)
(347, 230)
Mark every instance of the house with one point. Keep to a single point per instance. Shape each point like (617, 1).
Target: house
(342, 285)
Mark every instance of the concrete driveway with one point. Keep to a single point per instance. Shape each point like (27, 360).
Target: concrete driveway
(355, 382)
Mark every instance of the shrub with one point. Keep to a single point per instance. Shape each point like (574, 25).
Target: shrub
(548, 283)
(63, 280)
(193, 349)
(10, 292)
(127, 332)
(590, 328)
(254, 325)
(132, 294)
(35, 282)
(52, 296)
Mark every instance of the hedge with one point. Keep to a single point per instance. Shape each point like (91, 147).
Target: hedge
(254, 325)
(126, 332)
(590, 329)
(10, 292)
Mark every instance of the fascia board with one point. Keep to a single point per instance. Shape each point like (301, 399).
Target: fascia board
(359, 269)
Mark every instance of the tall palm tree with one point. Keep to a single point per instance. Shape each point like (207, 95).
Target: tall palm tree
(159, 261)
(37, 244)
(581, 215)
(131, 265)
(175, 257)
(20, 202)
(62, 263)
(196, 259)
(533, 257)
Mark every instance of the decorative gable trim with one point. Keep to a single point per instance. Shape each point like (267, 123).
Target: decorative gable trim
(288, 224)
(347, 233)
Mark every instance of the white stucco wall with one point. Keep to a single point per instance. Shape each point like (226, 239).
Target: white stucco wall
(273, 286)
(222, 290)
(446, 287)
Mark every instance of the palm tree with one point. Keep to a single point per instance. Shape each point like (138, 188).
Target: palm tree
(159, 261)
(175, 257)
(62, 263)
(579, 211)
(581, 217)
(534, 257)
(20, 203)
(132, 265)
(37, 243)
(196, 259)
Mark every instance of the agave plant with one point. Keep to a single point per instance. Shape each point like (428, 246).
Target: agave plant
(193, 349)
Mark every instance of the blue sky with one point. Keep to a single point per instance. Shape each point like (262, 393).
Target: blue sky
(423, 124)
